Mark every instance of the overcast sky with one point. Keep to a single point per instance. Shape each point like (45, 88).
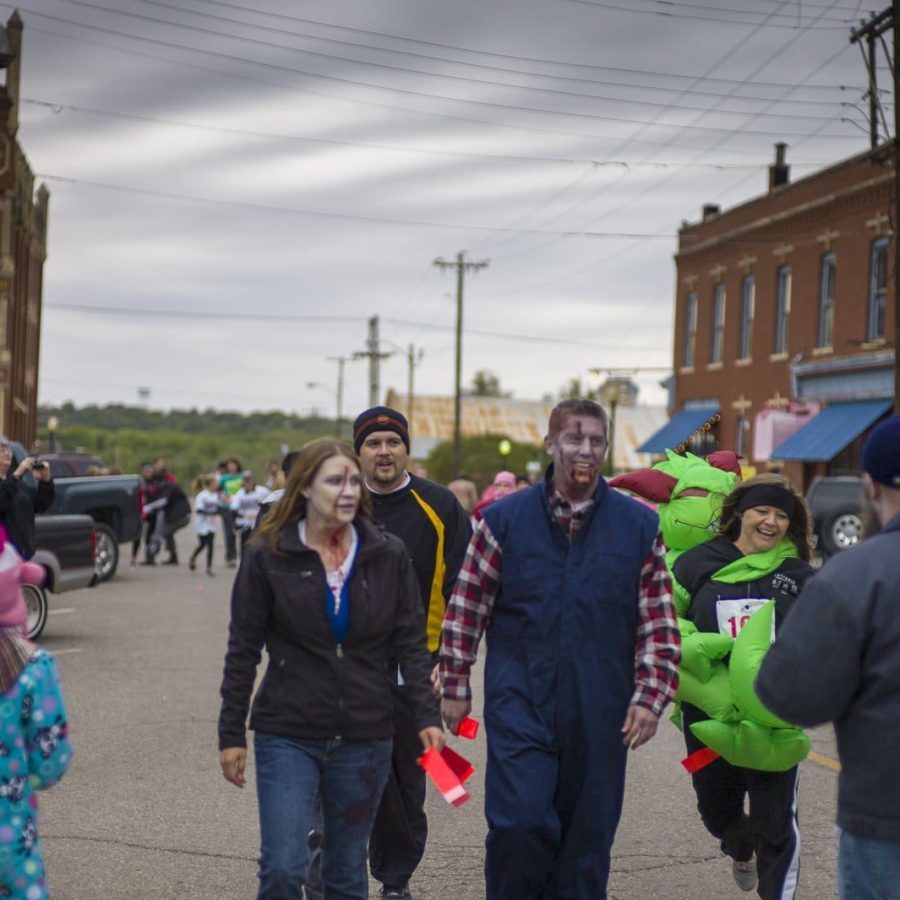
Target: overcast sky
(237, 187)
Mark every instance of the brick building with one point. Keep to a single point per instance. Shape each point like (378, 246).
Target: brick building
(784, 344)
(23, 242)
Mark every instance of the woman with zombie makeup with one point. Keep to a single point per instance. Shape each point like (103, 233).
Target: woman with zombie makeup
(335, 601)
(754, 567)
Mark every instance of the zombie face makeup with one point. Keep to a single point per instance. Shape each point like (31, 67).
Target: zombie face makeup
(383, 456)
(578, 449)
(333, 497)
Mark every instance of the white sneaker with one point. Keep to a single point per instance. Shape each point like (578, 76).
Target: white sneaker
(744, 873)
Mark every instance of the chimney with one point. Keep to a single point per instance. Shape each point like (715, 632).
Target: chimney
(779, 171)
(710, 210)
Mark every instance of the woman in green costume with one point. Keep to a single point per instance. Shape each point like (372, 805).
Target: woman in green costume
(751, 571)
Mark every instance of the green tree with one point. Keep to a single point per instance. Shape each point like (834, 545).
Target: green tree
(481, 459)
(486, 384)
(575, 388)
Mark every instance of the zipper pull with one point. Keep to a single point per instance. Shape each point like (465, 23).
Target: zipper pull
(340, 651)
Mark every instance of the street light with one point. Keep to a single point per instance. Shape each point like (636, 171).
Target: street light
(337, 420)
(52, 425)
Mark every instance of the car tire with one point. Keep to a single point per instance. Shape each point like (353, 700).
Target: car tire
(36, 605)
(841, 531)
(107, 559)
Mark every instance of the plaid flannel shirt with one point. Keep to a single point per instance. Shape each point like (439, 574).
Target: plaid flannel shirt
(657, 650)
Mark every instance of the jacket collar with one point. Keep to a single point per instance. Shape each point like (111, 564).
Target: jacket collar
(371, 538)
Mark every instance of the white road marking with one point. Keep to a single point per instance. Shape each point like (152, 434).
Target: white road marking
(67, 650)
(62, 611)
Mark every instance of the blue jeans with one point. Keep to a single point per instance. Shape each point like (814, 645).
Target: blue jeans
(868, 868)
(350, 777)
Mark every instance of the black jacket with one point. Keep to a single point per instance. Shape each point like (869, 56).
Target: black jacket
(694, 570)
(20, 499)
(435, 528)
(837, 659)
(315, 688)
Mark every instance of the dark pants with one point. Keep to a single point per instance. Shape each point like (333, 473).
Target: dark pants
(230, 536)
(349, 776)
(771, 829)
(398, 837)
(555, 776)
(205, 542)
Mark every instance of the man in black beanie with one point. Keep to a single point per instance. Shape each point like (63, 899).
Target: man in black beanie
(436, 530)
(837, 659)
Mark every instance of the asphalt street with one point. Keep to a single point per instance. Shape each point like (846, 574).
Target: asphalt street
(145, 813)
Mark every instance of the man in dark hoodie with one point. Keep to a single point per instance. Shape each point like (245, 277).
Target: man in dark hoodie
(837, 659)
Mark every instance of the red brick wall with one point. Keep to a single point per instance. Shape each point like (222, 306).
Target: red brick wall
(847, 199)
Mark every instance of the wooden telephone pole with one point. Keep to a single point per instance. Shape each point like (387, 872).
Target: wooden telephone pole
(461, 266)
(887, 20)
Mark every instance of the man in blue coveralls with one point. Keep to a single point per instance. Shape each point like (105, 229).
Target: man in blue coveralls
(568, 578)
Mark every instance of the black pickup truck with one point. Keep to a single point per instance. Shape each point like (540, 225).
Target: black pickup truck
(836, 507)
(112, 501)
(65, 548)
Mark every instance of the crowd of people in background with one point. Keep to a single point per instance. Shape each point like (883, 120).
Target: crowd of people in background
(233, 500)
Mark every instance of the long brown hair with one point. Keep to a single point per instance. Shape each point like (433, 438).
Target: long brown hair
(799, 530)
(292, 506)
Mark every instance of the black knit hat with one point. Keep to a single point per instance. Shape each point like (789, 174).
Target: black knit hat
(881, 455)
(380, 418)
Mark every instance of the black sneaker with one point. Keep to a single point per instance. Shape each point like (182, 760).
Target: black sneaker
(147, 562)
(401, 893)
(172, 561)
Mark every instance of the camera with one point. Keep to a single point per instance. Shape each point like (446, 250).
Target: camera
(39, 464)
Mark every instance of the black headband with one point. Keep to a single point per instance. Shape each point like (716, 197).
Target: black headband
(767, 495)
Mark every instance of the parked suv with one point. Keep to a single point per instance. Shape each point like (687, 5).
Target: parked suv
(836, 507)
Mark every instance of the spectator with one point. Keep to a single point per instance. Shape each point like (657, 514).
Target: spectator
(36, 748)
(837, 659)
(504, 483)
(25, 489)
(173, 512)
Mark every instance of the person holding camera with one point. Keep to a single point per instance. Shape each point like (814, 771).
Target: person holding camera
(22, 497)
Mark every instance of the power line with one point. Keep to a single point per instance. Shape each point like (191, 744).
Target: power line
(396, 90)
(445, 75)
(218, 315)
(534, 129)
(668, 13)
(241, 204)
(57, 107)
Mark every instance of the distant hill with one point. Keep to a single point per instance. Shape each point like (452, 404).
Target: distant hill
(191, 441)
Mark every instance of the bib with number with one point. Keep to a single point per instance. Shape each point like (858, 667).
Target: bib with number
(733, 614)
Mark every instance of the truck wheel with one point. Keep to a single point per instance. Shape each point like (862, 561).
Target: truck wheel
(107, 558)
(36, 605)
(841, 531)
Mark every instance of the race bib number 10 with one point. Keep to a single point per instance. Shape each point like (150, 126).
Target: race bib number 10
(733, 615)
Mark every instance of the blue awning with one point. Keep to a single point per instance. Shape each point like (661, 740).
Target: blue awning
(836, 426)
(678, 429)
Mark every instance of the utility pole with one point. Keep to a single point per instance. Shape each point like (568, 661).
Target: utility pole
(340, 360)
(461, 266)
(374, 355)
(412, 360)
(876, 26)
(895, 19)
